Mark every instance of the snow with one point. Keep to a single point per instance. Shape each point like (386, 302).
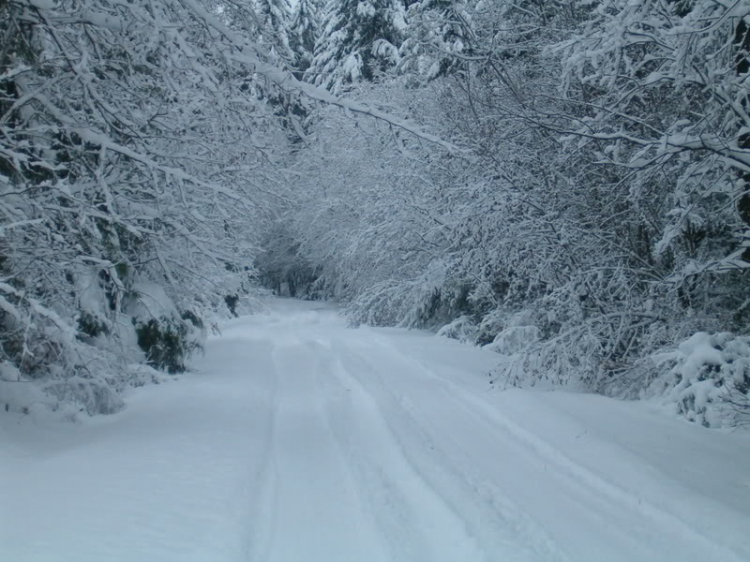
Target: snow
(365, 10)
(299, 439)
(151, 302)
(697, 377)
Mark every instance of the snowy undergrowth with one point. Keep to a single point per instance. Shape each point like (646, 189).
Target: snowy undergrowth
(706, 378)
(83, 361)
(558, 343)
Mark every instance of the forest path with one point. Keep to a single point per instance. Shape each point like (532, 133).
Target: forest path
(302, 440)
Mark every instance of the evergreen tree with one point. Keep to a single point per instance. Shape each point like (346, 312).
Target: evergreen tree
(275, 15)
(303, 34)
(439, 34)
(360, 41)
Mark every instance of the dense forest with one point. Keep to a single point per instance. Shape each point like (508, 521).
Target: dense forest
(564, 182)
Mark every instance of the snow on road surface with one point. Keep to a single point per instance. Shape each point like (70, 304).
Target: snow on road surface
(301, 440)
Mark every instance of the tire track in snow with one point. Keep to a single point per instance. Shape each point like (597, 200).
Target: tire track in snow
(311, 495)
(413, 518)
(263, 480)
(331, 396)
(592, 488)
(383, 493)
(488, 517)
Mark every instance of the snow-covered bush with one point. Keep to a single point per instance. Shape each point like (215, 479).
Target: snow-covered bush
(168, 341)
(706, 378)
(491, 325)
(166, 335)
(463, 329)
(572, 361)
(445, 304)
(514, 340)
(384, 304)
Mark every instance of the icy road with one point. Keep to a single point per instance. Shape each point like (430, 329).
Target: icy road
(301, 440)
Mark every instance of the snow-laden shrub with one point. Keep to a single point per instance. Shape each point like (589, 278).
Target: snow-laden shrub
(384, 304)
(514, 340)
(491, 325)
(94, 390)
(165, 343)
(93, 396)
(433, 299)
(166, 335)
(443, 304)
(563, 362)
(463, 329)
(507, 333)
(60, 369)
(81, 354)
(41, 345)
(706, 379)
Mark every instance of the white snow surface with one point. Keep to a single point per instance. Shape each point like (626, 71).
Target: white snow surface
(298, 439)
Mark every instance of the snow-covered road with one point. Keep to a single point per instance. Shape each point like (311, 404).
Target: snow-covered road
(301, 440)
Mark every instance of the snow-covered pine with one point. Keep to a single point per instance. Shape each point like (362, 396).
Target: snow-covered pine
(275, 16)
(359, 40)
(304, 31)
(439, 38)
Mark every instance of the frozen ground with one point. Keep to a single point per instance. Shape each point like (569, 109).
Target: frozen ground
(299, 440)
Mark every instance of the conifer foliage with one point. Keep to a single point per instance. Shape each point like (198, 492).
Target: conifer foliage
(359, 41)
(303, 34)
(275, 15)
